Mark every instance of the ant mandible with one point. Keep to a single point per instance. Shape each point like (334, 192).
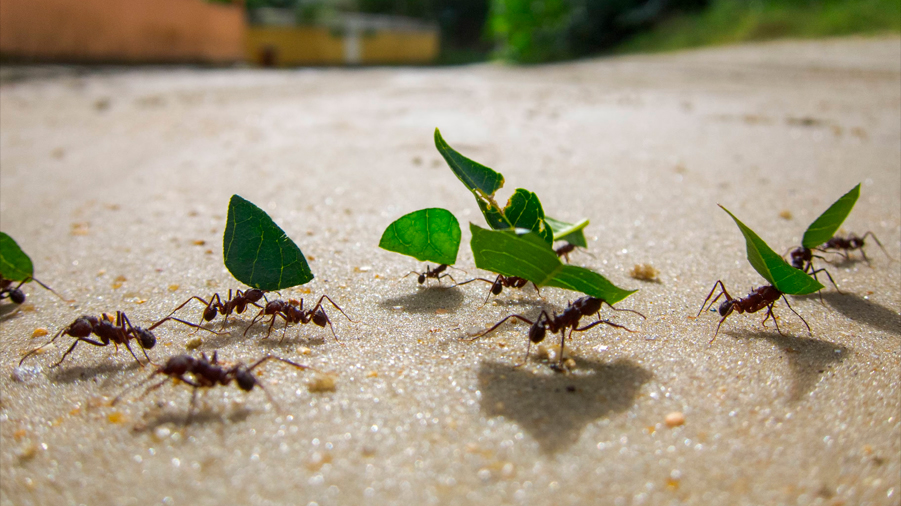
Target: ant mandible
(761, 297)
(15, 293)
(569, 319)
(293, 312)
(435, 273)
(501, 282)
(206, 373)
(119, 332)
(236, 304)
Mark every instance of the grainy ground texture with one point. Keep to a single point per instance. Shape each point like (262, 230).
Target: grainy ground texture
(117, 184)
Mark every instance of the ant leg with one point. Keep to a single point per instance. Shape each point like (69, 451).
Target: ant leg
(823, 270)
(718, 329)
(525, 359)
(89, 341)
(629, 310)
(253, 321)
(796, 314)
(536, 289)
(127, 347)
(273, 357)
(724, 292)
(198, 327)
(605, 322)
(183, 304)
(498, 324)
(36, 350)
(446, 276)
(770, 314)
(326, 297)
(192, 407)
(870, 234)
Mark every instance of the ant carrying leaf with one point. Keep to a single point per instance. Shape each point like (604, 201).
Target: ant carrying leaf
(428, 235)
(783, 278)
(15, 266)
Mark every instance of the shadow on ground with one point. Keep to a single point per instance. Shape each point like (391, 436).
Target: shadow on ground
(807, 357)
(553, 408)
(862, 310)
(427, 300)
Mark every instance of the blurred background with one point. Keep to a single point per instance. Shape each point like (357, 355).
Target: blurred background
(407, 32)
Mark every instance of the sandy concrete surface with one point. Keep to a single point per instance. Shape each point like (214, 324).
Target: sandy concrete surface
(117, 184)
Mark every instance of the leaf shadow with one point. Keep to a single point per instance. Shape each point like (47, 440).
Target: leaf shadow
(807, 357)
(427, 300)
(857, 308)
(554, 408)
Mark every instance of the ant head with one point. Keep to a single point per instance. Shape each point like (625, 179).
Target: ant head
(176, 366)
(537, 332)
(145, 337)
(421, 279)
(17, 296)
(320, 318)
(856, 242)
(245, 379)
(497, 287)
(726, 307)
(589, 305)
(82, 326)
(209, 313)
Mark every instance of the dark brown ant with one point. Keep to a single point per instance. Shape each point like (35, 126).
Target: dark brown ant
(569, 319)
(236, 304)
(565, 250)
(501, 282)
(851, 243)
(117, 332)
(435, 273)
(802, 259)
(292, 311)
(206, 373)
(15, 293)
(759, 298)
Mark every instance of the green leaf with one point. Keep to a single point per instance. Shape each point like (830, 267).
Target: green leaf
(258, 253)
(824, 227)
(428, 235)
(524, 210)
(480, 180)
(524, 254)
(569, 232)
(773, 267)
(14, 263)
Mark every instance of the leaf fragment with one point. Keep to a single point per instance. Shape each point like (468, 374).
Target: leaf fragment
(773, 267)
(257, 252)
(524, 254)
(428, 235)
(572, 233)
(824, 227)
(523, 210)
(15, 265)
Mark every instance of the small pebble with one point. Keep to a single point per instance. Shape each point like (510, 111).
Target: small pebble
(321, 382)
(193, 344)
(674, 419)
(785, 214)
(173, 287)
(644, 272)
(39, 332)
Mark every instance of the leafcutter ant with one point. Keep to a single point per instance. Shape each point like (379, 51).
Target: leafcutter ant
(802, 259)
(292, 311)
(759, 298)
(109, 331)
(206, 373)
(565, 250)
(236, 304)
(501, 282)
(15, 293)
(568, 319)
(435, 273)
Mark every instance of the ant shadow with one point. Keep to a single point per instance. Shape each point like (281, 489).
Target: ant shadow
(554, 408)
(290, 341)
(808, 358)
(8, 311)
(203, 416)
(81, 373)
(857, 308)
(427, 300)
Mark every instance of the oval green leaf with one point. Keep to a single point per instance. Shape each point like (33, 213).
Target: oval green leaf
(258, 253)
(824, 227)
(14, 263)
(773, 267)
(569, 232)
(524, 254)
(523, 210)
(428, 235)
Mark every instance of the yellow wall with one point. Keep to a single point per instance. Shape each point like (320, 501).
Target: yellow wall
(295, 46)
(320, 46)
(400, 47)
